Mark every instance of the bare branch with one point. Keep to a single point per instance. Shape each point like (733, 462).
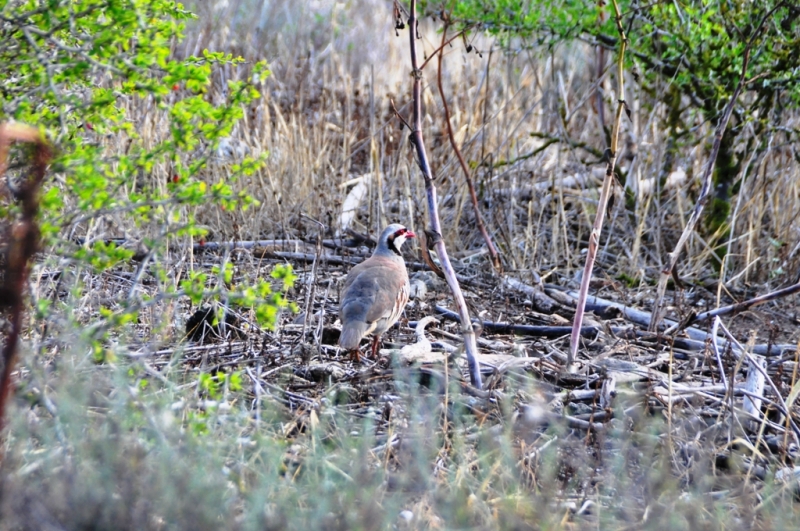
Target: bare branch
(470, 344)
(605, 193)
(498, 266)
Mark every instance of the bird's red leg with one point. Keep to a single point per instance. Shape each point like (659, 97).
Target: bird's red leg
(355, 355)
(375, 341)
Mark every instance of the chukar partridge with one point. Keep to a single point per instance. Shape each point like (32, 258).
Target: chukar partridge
(375, 292)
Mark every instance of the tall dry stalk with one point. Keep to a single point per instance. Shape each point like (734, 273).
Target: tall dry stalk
(470, 342)
(605, 193)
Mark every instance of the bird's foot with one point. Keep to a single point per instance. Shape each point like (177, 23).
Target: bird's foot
(375, 342)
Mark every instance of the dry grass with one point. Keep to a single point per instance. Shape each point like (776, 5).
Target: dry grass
(139, 443)
(324, 118)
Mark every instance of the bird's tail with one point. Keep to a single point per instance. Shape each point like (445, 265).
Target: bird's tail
(352, 334)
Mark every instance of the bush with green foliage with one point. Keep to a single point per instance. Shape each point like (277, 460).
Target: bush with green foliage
(80, 70)
(687, 56)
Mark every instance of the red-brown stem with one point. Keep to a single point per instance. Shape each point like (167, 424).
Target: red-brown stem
(608, 182)
(470, 343)
(22, 237)
(498, 266)
(444, 43)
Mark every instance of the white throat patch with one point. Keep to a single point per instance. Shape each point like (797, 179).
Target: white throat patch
(399, 240)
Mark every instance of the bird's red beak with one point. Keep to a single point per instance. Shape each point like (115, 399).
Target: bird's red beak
(410, 234)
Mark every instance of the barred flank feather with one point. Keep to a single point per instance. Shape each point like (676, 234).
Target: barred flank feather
(351, 335)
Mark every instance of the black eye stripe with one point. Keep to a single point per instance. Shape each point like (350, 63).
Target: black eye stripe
(391, 243)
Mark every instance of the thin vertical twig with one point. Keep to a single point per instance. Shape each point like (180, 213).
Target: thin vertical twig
(498, 266)
(605, 193)
(600, 66)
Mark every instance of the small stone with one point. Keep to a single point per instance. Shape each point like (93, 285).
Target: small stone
(418, 289)
(430, 279)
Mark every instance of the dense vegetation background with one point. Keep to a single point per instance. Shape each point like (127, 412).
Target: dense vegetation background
(236, 120)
